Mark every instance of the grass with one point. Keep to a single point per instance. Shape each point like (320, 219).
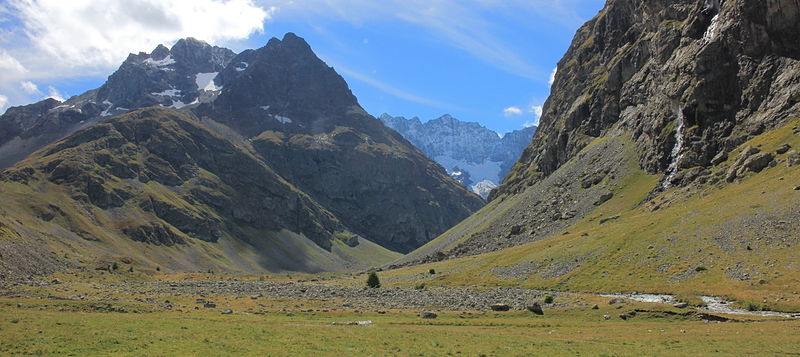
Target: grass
(39, 328)
(687, 246)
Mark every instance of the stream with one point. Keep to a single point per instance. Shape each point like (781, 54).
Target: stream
(713, 304)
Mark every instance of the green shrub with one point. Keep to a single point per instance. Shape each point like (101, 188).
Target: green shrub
(548, 299)
(373, 281)
(114, 266)
(432, 271)
(420, 286)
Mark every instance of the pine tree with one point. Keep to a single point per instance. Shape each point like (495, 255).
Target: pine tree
(373, 281)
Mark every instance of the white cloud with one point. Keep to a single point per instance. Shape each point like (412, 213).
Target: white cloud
(552, 77)
(10, 65)
(537, 114)
(29, 87)
(537, 110)
(512, 111)
(100, 32)
(53, 93)
(3, 101)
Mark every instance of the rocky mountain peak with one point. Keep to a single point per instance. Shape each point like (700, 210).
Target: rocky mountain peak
(283, 86)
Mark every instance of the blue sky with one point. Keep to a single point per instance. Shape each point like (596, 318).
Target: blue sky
(488, 61)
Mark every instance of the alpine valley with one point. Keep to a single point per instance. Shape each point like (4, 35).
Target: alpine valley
(203, 202)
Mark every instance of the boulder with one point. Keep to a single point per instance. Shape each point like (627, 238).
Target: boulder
(681, 305)
(616, 301)
(209, 305)
(427, 315)
(536, 308)
(227, 312)
(500, 307)
(758, 162)
(783, 149)
(604, 198)
(793, 159)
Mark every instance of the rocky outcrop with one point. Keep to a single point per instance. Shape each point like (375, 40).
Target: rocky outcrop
(689, 81)
(477, 157)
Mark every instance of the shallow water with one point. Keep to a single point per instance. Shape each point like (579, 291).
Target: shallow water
(713, 304)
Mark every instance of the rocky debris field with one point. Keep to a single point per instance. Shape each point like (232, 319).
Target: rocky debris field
(209, 292)
(451, 299)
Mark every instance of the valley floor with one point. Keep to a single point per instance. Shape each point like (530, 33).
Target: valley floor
(94, 313)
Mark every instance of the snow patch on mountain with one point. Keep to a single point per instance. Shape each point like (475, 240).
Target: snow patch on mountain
(169, 93)
(166, 61)
(205, 81)
(483, 188)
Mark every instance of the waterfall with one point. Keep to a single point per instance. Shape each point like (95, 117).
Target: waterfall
(711, 31)
(676, 154)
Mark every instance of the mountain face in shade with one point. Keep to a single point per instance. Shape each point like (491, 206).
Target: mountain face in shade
(472, 154)
(261, 160)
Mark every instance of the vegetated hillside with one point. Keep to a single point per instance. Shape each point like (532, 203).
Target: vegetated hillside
(472, 154)
(666, 160)
(290, 122)
(157, 187)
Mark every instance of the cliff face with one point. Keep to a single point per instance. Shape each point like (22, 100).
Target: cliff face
(689, 80)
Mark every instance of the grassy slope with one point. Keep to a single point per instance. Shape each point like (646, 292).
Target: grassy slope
(671, 249)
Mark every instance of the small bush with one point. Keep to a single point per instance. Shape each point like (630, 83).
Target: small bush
(373, 281)
(130, 270)
(420, 286)
(432, 271)
(700, 268)
(158, 268)
(549, 299)
(114, 266)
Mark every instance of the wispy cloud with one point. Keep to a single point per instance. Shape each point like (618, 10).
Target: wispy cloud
(392, 90)
(552, 76)
(536, 110)
(512, 111)
(458, 23)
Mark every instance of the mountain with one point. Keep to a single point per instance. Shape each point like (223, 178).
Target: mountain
(477, 157)
(666, 160)
(258, 161)
(168, 77)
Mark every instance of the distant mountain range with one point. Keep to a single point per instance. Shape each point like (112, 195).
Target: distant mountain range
(474, 155)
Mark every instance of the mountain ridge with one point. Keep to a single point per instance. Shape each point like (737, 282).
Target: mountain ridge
(155, 179)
